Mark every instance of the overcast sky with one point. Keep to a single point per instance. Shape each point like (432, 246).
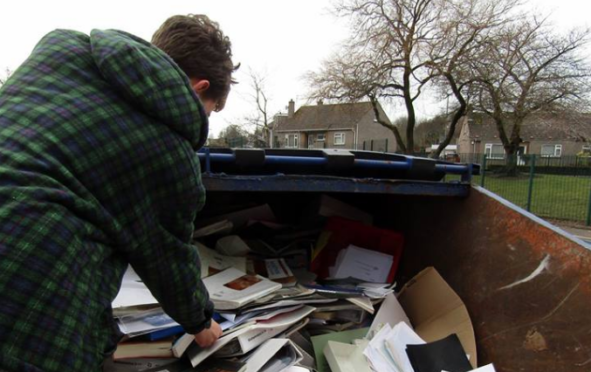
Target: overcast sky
(281, 39)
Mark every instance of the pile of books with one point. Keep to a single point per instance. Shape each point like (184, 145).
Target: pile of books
(284, 293)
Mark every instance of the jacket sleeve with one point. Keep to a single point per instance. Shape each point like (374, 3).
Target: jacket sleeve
(165, 260)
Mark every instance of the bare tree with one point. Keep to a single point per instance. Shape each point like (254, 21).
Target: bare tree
(260, 119)
(526, 68)
(385, 58)
(467, 25)
(232, 136)
(399, 47)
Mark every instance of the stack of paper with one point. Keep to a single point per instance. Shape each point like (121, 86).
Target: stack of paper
(363, 264)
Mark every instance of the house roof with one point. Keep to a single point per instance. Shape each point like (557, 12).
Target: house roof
(326, 116)
(565, 127)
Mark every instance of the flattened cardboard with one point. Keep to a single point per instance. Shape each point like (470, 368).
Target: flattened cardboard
(436, 311)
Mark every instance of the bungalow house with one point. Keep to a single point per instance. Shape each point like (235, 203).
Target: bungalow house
(545, 135)
(339, 126)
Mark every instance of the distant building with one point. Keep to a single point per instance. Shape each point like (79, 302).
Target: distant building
(545, 135)
(343, 125)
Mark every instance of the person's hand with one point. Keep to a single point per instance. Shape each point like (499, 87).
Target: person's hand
(208, 336)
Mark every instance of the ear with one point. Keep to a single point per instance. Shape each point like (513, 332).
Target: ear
(200, 86)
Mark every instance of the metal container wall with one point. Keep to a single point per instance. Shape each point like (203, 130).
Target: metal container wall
(526, 284)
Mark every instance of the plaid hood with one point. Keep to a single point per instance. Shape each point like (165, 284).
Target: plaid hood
(149, 79)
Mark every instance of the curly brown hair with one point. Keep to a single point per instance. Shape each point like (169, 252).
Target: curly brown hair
(201, 50)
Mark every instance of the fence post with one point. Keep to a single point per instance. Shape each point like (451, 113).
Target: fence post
(483, 170)
(532, 170)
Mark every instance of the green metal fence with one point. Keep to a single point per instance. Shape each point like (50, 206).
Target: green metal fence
(550, 187)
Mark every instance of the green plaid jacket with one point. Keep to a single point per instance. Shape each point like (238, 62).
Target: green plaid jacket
(97, 170)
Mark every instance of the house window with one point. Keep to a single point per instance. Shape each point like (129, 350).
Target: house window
(339, 138)
(292, 141)
(551, 151)
(586, 149)
(494, 151)
(320, 137)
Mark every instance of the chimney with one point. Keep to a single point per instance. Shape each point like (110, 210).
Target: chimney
(320, 102)
(290, 108)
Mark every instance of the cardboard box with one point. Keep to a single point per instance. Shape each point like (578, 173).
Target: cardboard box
(436, 311)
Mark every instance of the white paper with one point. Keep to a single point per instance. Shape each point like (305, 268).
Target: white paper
(133, 291)
(396, 341)
(377, 353)
(391, 312)
(232, 320)
(294, 302)
(363, 264)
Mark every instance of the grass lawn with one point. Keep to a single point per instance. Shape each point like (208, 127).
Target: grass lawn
(553, 196)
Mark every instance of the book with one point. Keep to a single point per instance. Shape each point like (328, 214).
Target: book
(164, 333)
(232, 288)
(320, 342)
(264, 330)
(144, 349)
(220, 227)
(273, 355)
(145, 322)
(243, 340)
(213, 262)
(277, 270)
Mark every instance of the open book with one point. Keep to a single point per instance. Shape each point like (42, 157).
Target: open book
(232, 288)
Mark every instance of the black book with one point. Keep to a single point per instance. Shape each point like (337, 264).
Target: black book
(446, 354)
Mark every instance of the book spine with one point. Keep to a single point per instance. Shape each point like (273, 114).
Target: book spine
(163, 333)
